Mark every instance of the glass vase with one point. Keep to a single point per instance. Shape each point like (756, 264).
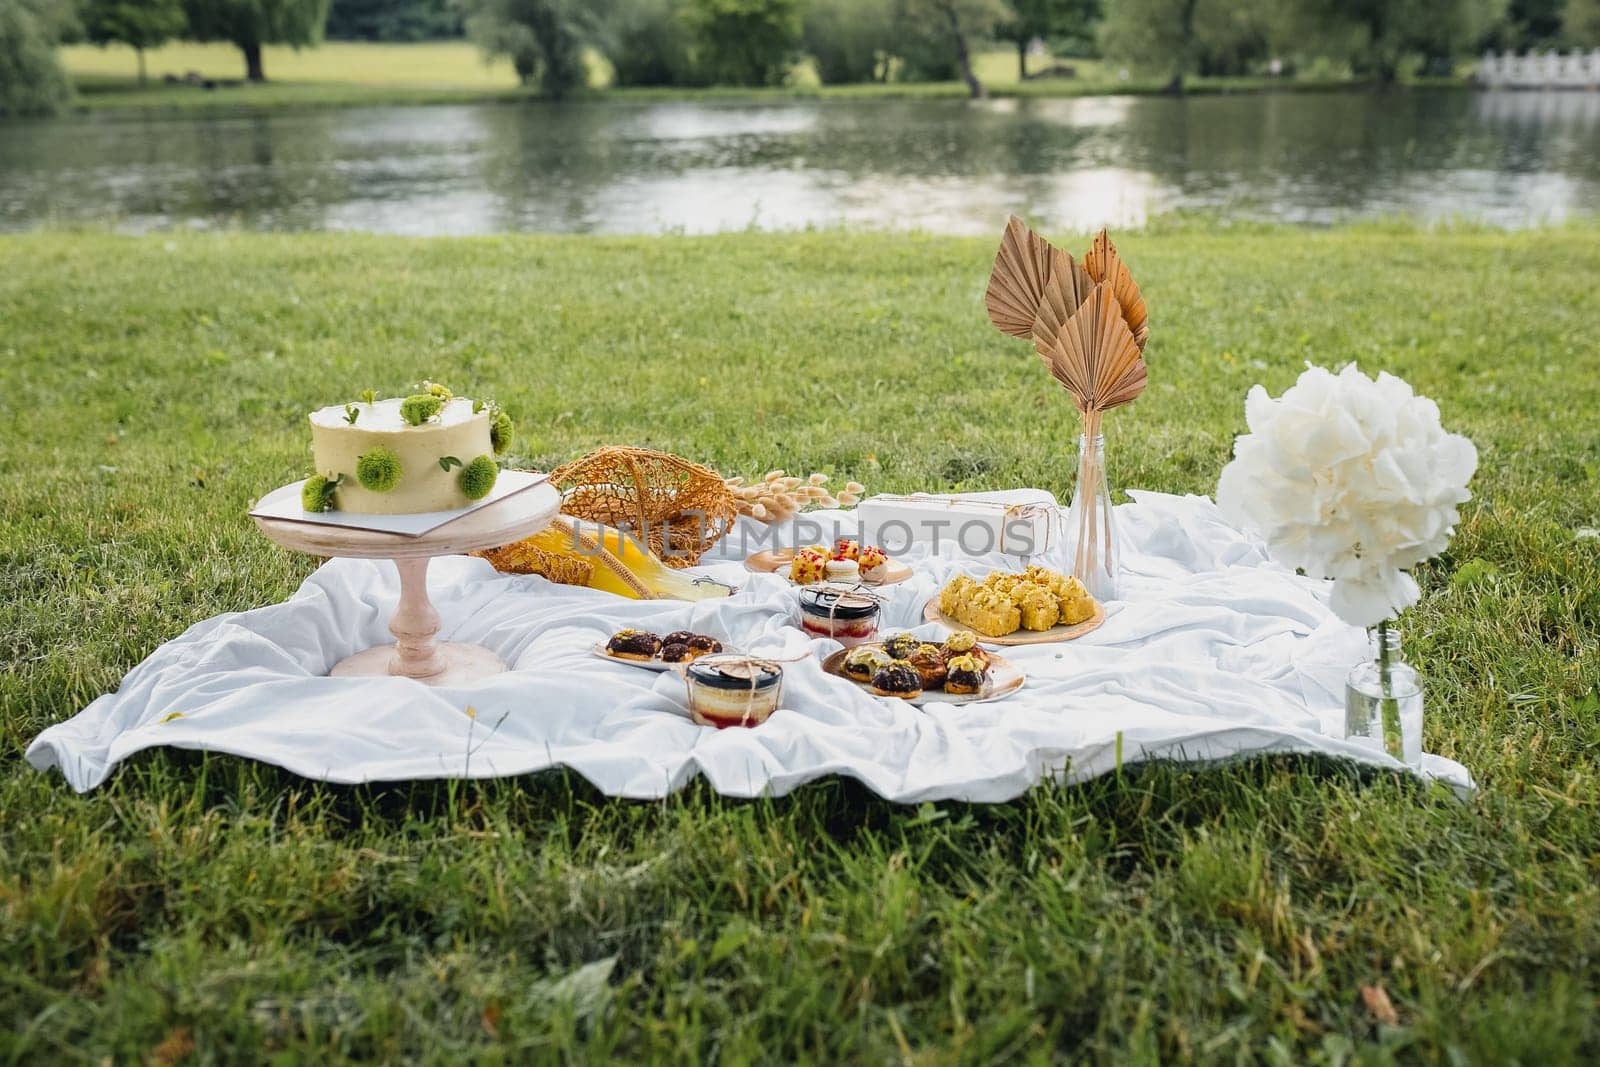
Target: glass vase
(1383, 699)
(1091, 538)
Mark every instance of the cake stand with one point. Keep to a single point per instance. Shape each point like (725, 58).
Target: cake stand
(415, 653)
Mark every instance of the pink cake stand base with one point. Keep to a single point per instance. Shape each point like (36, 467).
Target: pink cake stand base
(416, 653)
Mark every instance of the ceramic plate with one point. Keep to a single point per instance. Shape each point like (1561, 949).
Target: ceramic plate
(1002, 680)
(777, 560)
(1023, 637)
(658, 665)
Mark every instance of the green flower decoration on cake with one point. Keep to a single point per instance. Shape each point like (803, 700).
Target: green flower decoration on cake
(379, 470)
(501, 431)
(477, 477)
(317, 492)
(435, 389)
(418, 408)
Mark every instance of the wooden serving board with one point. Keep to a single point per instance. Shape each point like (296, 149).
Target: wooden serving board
(1023, 637)
(777, 561)
(1002, 679)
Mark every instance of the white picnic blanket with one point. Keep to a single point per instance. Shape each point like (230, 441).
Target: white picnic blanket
(1210, 653)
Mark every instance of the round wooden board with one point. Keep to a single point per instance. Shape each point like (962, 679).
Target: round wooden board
(777, 560)
(1002, 680)
(1024, 637)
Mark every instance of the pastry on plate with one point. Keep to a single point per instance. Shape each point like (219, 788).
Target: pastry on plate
(964, 643)
(809, 566)
(863, 661)
(897, 679)
(901, 645)
(684, 646)
(929, 664)
(704, 644)
(965, 675)
(874, 563)
(641, 645)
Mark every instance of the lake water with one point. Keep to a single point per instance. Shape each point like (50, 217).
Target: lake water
(949, 166)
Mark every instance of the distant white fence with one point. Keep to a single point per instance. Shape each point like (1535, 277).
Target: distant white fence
(1541, 70)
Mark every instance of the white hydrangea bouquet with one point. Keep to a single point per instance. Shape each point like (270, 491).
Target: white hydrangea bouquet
(1354, 479)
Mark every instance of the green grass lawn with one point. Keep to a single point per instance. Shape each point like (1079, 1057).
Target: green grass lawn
(346, 73)
(155, 386)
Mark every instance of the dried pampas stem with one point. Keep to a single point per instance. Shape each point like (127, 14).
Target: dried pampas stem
(780, 496)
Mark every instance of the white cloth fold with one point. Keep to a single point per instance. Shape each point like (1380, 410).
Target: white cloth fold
(1210, 653)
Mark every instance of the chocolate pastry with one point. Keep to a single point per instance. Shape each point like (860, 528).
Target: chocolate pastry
(633, 644)
(863, 661)
(966, 675)
(900, 646)
(703, 645)
(929, 663)
(678, 637)
(898, 679)
(676, 652)
(964, 643)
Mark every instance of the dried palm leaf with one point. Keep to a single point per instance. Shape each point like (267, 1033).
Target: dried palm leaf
(1104, 265)
(1068, 287)
(1017, 282)
(1095, 356)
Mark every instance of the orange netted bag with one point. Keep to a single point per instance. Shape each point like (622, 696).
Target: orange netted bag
(678, 508)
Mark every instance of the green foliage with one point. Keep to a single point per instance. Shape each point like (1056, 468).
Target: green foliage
(393, 20)
(1064, 23)
(1581, 23)
(447, 463)
(1384, 33)
(933, 34)
(501, 432)
(478, 477)
(1225, 914)
(139, 24)
(249, 24)
(544, 39)
(418, 408)
(317, 492)
(31, 79)
(649, 43)
(379, 470)
(744, 42)
(850, 40)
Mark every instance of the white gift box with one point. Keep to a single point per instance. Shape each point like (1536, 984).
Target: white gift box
(1019, 522)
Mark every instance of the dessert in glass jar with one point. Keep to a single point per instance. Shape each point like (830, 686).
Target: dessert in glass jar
(732, 690)
(848, 617)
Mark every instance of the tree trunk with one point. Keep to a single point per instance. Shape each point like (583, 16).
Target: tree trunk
(142, 78)
(252, 62)
(963, 57)
(1022, 60)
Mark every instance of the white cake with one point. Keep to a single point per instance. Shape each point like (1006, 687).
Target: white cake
(400, 456)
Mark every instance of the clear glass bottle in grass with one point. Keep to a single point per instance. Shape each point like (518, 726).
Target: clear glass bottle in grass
(1383, 699)
(1091, 523)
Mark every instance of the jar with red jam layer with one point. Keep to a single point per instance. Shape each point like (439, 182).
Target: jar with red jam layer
(849, 618)
(732, 690)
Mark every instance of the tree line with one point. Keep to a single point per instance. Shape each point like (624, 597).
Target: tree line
(759, 42)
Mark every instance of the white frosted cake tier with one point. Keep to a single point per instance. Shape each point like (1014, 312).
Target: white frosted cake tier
(337, 446)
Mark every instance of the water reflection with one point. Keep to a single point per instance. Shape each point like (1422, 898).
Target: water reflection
(942, 165)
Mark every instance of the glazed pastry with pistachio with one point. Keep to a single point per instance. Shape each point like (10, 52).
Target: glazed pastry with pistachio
(898, 679)
(639, 645)
(428, 451)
